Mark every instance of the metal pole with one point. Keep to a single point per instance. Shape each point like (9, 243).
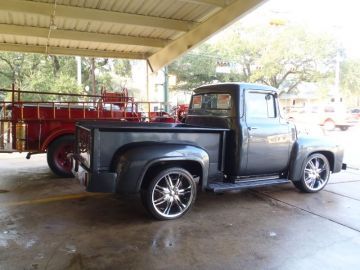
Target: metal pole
(166, 88)
(147, 81)
(78, 62)
(2, 132)
(93, 82)
(337, 75)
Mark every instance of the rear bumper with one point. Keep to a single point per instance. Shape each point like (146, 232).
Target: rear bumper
(93, 181)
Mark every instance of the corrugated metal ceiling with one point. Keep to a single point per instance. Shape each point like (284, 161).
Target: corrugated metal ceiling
(157, 30)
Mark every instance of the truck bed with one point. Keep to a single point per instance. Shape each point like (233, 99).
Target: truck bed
(115, 136)
(104, 125)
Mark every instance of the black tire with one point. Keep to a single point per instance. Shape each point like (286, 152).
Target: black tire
(170, 194)
(344, 128)
(57, 155)
(316, 174)
(298, 185)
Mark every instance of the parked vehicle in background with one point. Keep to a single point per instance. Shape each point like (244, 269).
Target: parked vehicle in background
(355, 113)
(48, 127)
(329, 116)
(181, 112)
(234, 137)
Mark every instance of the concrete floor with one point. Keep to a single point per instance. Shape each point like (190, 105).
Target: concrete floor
(50, 223)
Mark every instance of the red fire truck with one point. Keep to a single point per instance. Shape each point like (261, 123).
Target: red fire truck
(48, 127)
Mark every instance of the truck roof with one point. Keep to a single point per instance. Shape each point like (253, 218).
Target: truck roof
(224, 87)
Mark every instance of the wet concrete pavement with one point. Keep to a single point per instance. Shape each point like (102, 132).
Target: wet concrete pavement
(50, 223)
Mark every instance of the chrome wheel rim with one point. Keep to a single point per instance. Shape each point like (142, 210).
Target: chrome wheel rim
(316, 173)
(172, 195)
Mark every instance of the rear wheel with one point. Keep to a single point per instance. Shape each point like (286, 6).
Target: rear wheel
(170, 194)
(315, 175)
(57, 153)
(344, 128)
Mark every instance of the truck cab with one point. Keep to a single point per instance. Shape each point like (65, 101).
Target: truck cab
(260, 139)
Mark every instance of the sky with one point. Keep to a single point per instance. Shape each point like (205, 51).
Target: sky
(338, 17)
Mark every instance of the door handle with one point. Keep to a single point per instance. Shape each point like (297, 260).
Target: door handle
(252, 128)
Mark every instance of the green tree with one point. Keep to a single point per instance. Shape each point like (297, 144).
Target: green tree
(42, 73)
(350, 80)
(122, 67)
(39, 73)
(16, 67)
(280, 56)
(350, 76)
(106, 71)
(196, 68)
(292, 56)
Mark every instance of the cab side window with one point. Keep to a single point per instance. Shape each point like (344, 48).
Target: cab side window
(260, 105)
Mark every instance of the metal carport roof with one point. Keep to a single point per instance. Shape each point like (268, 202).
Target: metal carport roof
(156, 30)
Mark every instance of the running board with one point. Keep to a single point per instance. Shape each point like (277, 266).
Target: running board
(223, 186)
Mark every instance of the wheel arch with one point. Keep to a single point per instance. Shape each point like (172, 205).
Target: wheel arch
(304, 147)
(194, 167)
(328, 119)
(141, 161)
(55, 135)
(297, 167)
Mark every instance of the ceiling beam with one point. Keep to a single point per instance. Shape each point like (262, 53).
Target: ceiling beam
(91, 14)
(202, 32)
(216, 3)
(68, 51)
(42, 32)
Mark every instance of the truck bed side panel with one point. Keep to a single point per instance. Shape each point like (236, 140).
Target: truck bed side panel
(111, 142)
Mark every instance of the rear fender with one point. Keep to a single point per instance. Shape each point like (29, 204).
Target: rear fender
(133, 163)
(54, 135)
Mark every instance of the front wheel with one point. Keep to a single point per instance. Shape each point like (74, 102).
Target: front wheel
(57, 153)
(170, 194)
(315, 175)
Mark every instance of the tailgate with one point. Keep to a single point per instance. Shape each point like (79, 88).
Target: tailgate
(83, 146)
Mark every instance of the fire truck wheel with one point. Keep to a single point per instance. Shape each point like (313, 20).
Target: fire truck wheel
(57, 155)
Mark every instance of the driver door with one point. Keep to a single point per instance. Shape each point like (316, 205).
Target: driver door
(269, 136)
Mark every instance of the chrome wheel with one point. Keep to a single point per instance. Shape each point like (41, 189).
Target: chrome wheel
(171, 193)
(316, 173)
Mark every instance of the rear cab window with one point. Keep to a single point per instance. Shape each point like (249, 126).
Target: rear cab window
(219, 104)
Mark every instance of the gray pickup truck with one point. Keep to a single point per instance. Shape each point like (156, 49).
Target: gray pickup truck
(234, 137)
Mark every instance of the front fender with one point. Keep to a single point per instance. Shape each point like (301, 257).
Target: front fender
(132, 163)
(307, 145)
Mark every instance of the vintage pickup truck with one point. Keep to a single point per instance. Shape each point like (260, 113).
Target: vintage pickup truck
(234, 137)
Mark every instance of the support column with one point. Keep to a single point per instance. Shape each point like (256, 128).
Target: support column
(166, 88)
(78, 62)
